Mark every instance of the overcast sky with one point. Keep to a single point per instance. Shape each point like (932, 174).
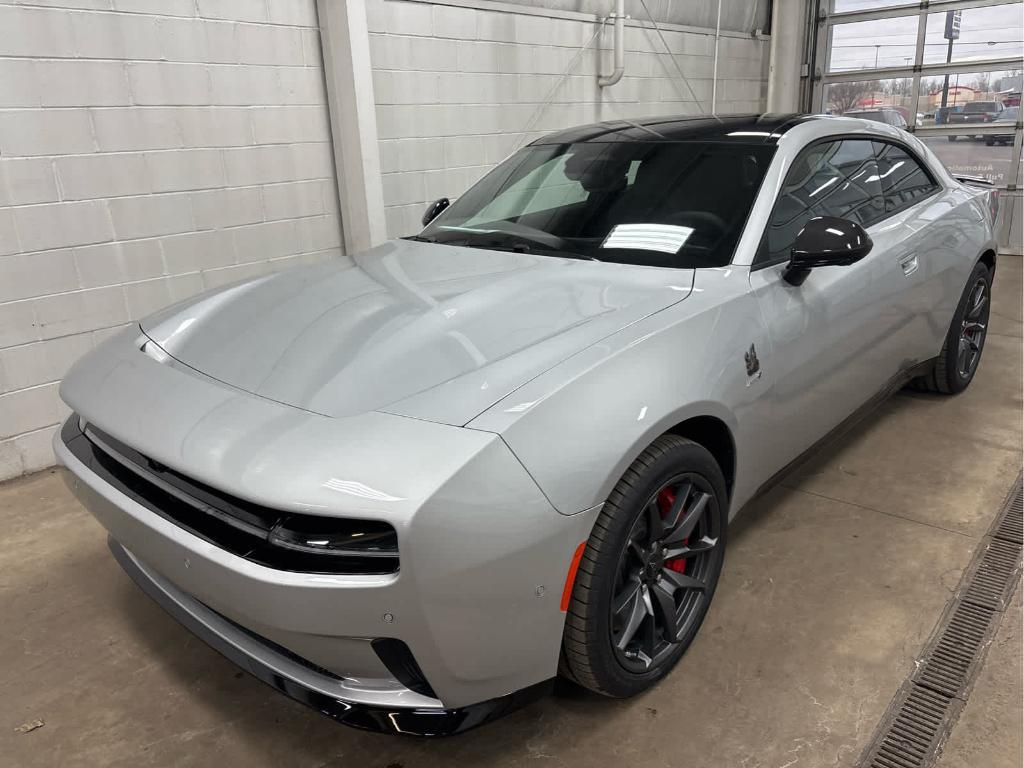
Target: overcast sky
(991, 32)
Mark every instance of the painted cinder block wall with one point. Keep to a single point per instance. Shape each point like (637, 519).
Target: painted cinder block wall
(149, 149)
(458, 85)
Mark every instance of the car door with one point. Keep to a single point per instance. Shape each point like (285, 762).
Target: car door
(838, 338)
(925, 242)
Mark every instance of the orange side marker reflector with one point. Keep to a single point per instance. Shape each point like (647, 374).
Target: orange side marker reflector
(570, 577)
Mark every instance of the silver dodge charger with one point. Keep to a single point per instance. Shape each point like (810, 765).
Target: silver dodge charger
(412, 486)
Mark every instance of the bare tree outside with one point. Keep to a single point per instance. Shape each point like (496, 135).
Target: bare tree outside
(930, 85)
(843, 97)
(982, 82)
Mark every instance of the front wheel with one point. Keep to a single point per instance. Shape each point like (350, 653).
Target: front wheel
(649, 570)
(951, 138)
(961, 353)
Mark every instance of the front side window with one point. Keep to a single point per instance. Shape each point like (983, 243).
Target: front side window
(835, 178)
(657, 203)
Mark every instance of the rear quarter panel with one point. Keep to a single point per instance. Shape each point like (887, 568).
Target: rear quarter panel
(960, 223)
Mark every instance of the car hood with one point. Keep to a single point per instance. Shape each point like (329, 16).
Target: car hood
(431, 331)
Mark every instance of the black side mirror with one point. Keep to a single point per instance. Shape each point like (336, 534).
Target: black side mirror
(434, 210)
(826, 241)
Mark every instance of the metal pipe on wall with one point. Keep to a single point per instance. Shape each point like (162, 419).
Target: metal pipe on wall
(714, 71)
(619, 43)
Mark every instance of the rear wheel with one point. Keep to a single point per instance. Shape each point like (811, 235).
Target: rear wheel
(951, 138)
(989, 141)
(649, 570)
(961, 353)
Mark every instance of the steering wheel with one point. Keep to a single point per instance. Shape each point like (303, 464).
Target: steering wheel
(697, 220)
(530, 233)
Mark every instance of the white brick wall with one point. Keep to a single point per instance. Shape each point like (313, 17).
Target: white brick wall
(149, 149)
(455, 86)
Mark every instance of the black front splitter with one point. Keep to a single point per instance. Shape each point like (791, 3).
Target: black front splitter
(402, 720)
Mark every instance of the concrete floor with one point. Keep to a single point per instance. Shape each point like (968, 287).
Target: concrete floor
(832, 584)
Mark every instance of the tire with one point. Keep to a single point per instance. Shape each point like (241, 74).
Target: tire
(597, 650)
(949, 375)
(951, 138)
(989, 141)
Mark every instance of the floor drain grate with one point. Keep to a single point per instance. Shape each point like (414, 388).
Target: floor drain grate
(993, 579)
(947, 667)
(1011, 527)
(915, 732)
(924, 710)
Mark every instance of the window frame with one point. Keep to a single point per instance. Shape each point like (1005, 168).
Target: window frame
(836, 138)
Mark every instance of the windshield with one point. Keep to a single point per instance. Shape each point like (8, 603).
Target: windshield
(646, 203)
(980, 106)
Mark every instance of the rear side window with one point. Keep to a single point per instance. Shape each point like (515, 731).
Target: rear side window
(904, 181)
(836, 178)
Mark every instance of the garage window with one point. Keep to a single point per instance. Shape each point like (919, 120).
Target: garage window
(951, 71)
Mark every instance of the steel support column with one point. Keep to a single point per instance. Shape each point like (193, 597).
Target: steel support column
(345, 40)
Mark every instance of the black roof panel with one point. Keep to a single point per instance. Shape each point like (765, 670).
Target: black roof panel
(741, 128)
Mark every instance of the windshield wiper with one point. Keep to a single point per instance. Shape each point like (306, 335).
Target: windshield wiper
(521, 245)
(527, 247)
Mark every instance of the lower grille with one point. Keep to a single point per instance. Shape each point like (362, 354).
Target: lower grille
(281, 540)
(396, 656)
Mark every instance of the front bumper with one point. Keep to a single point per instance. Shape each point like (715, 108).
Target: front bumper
(302, 684)
(475, 600)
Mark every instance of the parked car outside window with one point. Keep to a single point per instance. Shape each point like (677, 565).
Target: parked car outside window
(976, 112)
(1009, 115)
(885, 115)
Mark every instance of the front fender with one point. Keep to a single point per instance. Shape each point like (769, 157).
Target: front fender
(577, 428)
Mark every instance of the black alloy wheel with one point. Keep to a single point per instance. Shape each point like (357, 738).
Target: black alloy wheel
(972, 328)
(649, 570)
(958, 361)
(663, 572)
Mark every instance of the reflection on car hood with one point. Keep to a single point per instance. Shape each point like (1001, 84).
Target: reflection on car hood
(431, 331)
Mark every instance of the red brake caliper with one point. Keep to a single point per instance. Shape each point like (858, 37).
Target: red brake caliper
(666, 498)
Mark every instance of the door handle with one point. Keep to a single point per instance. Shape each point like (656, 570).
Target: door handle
(908, 263)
